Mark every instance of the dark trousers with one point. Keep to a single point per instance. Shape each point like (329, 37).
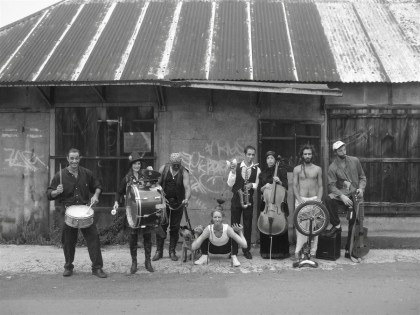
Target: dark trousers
(333, 206)
(207, 247)
(235, 217)
(147, 242)
(173, 222)
(69, 240)
(174, 219)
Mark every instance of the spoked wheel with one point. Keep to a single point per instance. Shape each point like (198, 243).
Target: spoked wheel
(311, 210)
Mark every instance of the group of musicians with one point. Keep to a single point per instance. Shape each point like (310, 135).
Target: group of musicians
(75, 184)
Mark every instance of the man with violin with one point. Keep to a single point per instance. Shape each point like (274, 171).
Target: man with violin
(345, 178)
(243, 178)
(71, 187)
(307, 185)
(175, 182)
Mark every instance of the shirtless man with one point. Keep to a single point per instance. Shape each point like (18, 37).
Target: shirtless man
(307, 185)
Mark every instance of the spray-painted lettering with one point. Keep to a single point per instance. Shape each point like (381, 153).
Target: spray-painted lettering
(25, 159)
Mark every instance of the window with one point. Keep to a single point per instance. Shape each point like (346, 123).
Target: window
(105, 137)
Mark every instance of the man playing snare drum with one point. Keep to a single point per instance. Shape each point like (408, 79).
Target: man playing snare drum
(71, 186)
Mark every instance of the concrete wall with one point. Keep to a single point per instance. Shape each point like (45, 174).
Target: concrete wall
(207, 127)
(24, 154)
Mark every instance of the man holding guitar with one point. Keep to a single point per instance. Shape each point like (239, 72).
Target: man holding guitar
(346, 179)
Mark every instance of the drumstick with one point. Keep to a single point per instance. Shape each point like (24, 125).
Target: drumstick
(61, 176)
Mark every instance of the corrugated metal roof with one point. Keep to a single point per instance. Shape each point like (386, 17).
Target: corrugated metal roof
(247, 40)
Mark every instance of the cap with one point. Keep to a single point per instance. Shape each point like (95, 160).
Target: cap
(175, 158)
(134, 157)
(337, 145)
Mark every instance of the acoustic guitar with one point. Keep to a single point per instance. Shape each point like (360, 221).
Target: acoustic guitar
(359, 243)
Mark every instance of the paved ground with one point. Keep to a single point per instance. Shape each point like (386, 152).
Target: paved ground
(18, 259)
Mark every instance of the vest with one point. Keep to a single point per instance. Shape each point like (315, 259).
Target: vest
(180, 189)
(218, 241)
(239, 182)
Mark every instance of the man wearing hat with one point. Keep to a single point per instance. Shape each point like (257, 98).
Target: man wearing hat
(345, 175)
(175, 182)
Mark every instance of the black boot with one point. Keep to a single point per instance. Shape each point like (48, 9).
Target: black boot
(147, 252)
(133, 252)
(173, 240)
(159, 248)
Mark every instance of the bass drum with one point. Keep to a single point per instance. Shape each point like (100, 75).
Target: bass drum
(144, 207)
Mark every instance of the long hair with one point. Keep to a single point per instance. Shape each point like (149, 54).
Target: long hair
(302, 148)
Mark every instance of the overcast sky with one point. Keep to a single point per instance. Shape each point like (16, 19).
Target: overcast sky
(13, 10)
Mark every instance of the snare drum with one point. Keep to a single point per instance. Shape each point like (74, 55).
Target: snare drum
(143, 206)
(79, 216)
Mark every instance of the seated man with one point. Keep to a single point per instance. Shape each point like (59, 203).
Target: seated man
(217, 237)
(345, 176)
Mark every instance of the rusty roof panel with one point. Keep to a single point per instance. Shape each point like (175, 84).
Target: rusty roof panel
(107, 55)
(252, 40)
(400, 61)
(11, 38)
(407, 15)
(354, 57)
(39, 44)
(188, 57)
(230, 42)
(74, 44)
(271, 50)
(313, 57)
(145, 57)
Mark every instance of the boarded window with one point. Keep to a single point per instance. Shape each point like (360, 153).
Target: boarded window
(387, 143)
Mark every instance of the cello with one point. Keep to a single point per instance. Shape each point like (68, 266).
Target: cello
(272, 221)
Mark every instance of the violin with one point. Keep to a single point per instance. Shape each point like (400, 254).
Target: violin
(272, 221)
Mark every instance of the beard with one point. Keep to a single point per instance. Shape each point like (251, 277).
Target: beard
(307, 160)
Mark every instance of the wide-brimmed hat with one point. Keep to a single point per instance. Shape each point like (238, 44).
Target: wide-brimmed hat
(134, 157)
(337, 145)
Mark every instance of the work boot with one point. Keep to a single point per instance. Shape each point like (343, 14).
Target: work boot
(133, 252)
(173, 240)
(159, 248)
(147, 252)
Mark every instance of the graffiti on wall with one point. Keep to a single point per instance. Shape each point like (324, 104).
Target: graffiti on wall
(24, 159)
(209, 170)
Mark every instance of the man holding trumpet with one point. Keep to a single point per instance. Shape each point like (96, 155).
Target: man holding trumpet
(72, 186)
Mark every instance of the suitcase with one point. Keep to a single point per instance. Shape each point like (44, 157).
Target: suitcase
(329, 247)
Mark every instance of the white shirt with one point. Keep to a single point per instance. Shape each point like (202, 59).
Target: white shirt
(232, 174)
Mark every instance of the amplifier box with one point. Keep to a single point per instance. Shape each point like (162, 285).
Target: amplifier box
(329, 247)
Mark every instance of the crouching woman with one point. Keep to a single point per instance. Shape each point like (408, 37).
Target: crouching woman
(217, 238)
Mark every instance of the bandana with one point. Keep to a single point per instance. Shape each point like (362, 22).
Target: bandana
(175, 158)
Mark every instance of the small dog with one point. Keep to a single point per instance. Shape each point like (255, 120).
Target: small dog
(188, 237)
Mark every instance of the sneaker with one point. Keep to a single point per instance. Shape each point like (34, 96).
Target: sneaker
(235, 261)
(203, 259)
